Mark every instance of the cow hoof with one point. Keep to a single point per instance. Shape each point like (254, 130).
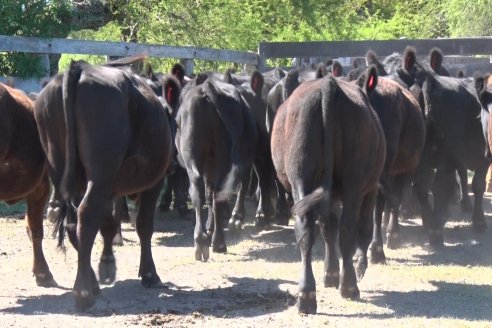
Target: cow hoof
(118, 240)
(45, 280)
(261, 221)
(393, 240)
(84, 300)
(219, 248)
(436, 239)
(107, 270)
(52, 213)
(202, 252)
(332, 279)
(164, 207)
(306, 302)
(350, 292)
(151, 280)
(183, 211)
(202, 244)
(466, 206)
(479, 225)
(235, 225)
(360, 265)
(282, 218)
(376, 254)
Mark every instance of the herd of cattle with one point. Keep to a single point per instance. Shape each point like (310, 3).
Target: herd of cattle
(318, 141)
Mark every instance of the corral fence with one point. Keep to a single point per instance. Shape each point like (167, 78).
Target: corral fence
(466, 54)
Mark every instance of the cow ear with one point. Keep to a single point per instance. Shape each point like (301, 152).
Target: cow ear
(149, 72)
(371, 58)
(171, 88)
(436, 58)
(228, 77)
(178, 71)
(337, 69)
(409, 58)
(279, 73)
(257, 82)
(479, 84)
(371, 79)
(460, 74)
(200, 78)
(320, 71)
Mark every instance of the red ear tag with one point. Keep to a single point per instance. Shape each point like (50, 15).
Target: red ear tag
(370, 84)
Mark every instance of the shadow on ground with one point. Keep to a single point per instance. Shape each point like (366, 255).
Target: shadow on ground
(241, 298)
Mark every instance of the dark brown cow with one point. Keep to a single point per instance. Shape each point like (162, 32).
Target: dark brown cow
(105, 134)
(23, 173)
(404, 131)
(216, 141)
(328, 144)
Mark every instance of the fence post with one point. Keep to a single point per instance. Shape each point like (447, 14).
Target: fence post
(188, 65)
(45, 64)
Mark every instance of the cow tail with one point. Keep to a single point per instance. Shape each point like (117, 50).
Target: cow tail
(68, 219)
(319, 199)
(235, 174)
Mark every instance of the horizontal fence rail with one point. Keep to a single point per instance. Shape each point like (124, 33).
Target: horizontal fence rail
(460, 46)
(121, 49)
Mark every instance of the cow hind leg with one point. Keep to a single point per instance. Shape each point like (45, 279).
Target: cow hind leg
(237, 217)
(364, 229)
(90, 214)
(466, 205)
(329, 231)
(145, 230)
(376, 249)
(107, 263)
(197, 194)
(218, 237)
(347, 237)
(34, 219)
(393, 228)
(306, 297)
(282, 208)
(478, 186)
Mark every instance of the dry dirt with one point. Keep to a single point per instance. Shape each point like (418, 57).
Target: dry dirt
(254, 284)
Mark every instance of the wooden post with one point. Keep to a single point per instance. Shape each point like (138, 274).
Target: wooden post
(188, 66)
(45, 64)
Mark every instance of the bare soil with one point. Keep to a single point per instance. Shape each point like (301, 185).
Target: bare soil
(254, 284)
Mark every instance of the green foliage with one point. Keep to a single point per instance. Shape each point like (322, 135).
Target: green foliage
(43, 18)
(469, 18)
(241, 25)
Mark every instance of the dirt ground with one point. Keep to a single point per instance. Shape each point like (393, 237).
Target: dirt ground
(254, 284)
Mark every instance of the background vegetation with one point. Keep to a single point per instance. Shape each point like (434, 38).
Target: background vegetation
(232, 24)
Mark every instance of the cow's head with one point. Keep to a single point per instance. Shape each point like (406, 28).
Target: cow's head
(483, 85)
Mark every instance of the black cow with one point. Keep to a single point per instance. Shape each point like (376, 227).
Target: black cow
(105, 134)
(23, 171)
(454, 141)
(327, 145)
(216, 141)
(404, 131)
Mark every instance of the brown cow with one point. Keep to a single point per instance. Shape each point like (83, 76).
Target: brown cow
(328, 144)
(23, 173)
(105, 134)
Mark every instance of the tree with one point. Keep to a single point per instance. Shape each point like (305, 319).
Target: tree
(45, 18)
(469, 18)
